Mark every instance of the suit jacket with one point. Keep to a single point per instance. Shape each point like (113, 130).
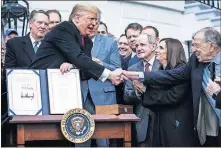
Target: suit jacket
(133, 61)
(63, 44)
(193, 70)
(131, 98)
(173, 108)
(125, 61)
(19, 53)
(218, 100)
(103, 93)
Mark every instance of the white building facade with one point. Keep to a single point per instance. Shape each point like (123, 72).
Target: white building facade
(171, 18)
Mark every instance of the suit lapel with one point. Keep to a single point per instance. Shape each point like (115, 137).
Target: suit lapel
(197, 78)
(140, 66)
(155, 65)
(28, 48)
(97, 46)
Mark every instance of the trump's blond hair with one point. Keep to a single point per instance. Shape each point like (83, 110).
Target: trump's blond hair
(84, 7)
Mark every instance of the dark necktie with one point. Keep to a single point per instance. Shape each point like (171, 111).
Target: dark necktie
(36, 46)
(212, 70)
(147, 67)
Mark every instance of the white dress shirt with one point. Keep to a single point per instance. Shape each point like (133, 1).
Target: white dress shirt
(150, 62)
(33, 41)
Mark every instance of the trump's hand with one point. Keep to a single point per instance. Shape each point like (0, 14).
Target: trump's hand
(98, 61)
(132, 75)
(213, 87)
(116, 76)
(139, 86)
(66, 67)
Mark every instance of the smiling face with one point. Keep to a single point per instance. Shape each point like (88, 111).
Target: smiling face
(39, 25)
(123, 47)
(161, 53)
(86, 22)
(143, 48)
(202, 49)
(132, 37)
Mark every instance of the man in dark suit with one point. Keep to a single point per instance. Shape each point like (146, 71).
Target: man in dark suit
(20, 51)
(64, 44)
(206, 45)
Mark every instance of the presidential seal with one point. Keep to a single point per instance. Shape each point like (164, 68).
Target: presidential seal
(77, 125)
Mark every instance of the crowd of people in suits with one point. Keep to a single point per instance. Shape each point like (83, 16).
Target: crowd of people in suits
(178, 104)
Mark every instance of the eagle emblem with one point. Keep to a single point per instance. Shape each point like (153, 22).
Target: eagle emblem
(78, 125)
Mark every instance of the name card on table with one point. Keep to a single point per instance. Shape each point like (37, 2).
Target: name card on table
(64, 90)
(24, 92)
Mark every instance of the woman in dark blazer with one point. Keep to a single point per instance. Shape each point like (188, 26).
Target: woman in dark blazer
(172, 104)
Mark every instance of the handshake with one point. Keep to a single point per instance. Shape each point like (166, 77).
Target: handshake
(117, 76)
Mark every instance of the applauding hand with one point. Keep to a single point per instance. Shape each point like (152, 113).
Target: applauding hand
(139, 86)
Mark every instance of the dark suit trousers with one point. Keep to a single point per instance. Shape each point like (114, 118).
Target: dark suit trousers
(213, 141)
(210, 140)
(149, 138)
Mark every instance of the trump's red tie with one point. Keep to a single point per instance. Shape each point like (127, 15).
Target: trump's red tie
(82, 40)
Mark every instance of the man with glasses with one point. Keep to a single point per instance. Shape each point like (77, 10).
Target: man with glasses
(20, 51)
(202, 68)
(54, 18)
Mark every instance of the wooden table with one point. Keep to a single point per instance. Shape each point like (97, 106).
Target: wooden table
(31, 128)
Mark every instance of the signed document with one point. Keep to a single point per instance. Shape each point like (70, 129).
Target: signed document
(24, 92)
(64, 90)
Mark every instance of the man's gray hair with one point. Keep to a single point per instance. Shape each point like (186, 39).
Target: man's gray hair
(35, 12)
(211, 35)
(151, 39)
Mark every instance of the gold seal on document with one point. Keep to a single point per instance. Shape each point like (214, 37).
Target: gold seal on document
(77, 125)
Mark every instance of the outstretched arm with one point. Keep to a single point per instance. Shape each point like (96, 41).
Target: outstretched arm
(163, 77)
(175, 76)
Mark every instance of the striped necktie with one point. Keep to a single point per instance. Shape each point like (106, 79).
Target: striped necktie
(36, 46)
(147, 67)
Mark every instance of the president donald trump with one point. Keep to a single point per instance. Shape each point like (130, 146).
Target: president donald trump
(68, 42)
